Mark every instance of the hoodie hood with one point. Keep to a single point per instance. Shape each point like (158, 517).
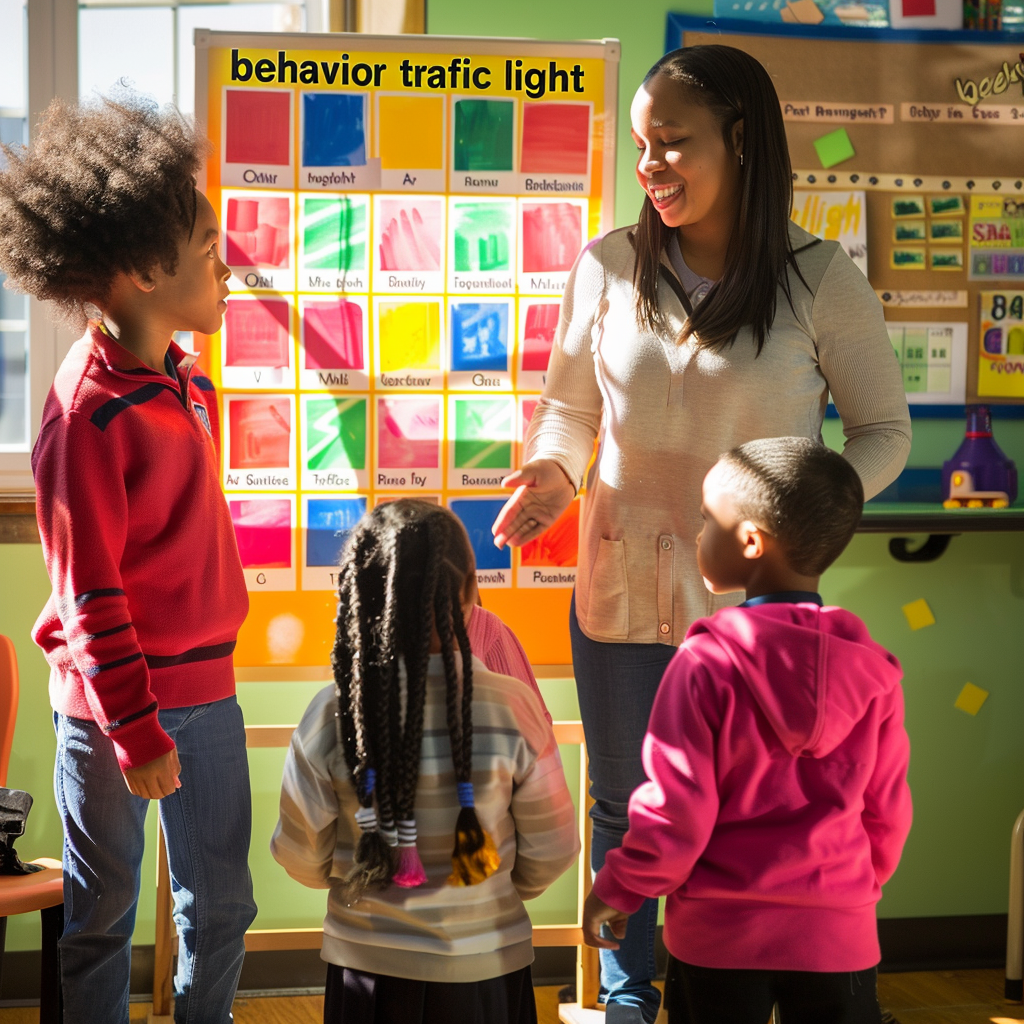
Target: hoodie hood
(813, 671)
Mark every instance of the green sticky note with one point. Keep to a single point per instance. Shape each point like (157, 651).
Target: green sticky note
(834, 148)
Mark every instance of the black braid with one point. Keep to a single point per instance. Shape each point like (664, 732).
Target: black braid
(417, 656)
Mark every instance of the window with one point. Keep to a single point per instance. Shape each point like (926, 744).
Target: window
(15, 429)
(110, 31)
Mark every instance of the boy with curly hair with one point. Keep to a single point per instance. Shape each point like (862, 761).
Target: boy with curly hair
(101, 217)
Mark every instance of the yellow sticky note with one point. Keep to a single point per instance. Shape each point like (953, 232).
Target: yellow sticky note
(918, 614)
(971, 698)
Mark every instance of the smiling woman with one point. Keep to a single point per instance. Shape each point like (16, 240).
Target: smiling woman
(712, 322)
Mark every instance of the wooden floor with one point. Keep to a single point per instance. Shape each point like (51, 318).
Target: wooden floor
(938, 997)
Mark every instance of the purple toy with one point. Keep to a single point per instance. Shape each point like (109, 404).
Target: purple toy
(979, 475)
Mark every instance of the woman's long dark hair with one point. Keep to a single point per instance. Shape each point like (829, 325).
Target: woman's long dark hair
(403, 573)
(733, 86)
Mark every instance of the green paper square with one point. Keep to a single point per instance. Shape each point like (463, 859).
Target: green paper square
(336, 433)
(834, 148)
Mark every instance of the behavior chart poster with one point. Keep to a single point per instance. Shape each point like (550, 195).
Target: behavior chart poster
(400, 215)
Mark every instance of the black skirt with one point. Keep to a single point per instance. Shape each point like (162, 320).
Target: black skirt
(355, 997)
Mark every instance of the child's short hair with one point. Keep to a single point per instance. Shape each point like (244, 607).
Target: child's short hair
(403, 575)
(805, 495)
(104, 188)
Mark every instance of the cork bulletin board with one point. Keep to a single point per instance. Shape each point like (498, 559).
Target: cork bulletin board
(926, 129)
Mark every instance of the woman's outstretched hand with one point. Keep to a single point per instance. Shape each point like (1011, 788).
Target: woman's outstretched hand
(542, 493)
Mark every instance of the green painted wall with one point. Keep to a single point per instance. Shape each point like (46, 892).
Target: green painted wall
(967, 773)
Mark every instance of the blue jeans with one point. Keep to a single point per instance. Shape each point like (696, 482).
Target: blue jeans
(206, 823)
(616, 684)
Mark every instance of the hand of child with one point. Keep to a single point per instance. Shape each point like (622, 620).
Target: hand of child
(155, 779)
(542, 493)
(596, 913)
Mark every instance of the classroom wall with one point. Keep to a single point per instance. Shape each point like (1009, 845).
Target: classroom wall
(967, 773)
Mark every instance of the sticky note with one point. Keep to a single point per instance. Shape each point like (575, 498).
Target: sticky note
(411, 132)
(256, 333)
(552, 236)
(333, 129)
(258, 126)
(835, 147)
(918, 614)
(336, 433)
(329, 522)
(483, 235)
(263, 529)
(409, 234)
(484, 135)
(971, 698)
(556, 138)
(334, 234)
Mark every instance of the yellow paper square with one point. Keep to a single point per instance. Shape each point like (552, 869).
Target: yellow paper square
(971, 698)
(918, 614)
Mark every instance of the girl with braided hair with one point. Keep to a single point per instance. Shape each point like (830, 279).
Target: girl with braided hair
(417, 743)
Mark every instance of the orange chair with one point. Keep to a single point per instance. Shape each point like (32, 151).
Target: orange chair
(43, 890)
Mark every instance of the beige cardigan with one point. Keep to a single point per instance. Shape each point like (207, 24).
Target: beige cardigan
(663, 412)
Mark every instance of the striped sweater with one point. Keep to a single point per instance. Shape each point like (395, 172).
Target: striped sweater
(148, 591)
(436, 932)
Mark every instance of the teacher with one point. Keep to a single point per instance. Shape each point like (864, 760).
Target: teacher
(713, 321)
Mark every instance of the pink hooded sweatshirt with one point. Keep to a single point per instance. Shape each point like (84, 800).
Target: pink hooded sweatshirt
(777, 803)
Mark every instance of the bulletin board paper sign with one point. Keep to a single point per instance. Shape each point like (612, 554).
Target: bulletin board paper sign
(551, 235)
(257, 350)
(409, 431)
(334, 350)
(258, 243)
(481, 341)
(409, 244)
(335, 436)
(493, 565)
(933, 359)
(327, 521)
(259, 442)
(836, 216)
(538, 323)
(481, 441)
(389, 350)
(408, 337)
(334, 243)
(265, 531)
(1001, 355)
(258, 138)
(996, 238)
(919, 14)
(409, 133)
(481, 245)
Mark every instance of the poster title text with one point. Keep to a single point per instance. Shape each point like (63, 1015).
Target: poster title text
(459, 73)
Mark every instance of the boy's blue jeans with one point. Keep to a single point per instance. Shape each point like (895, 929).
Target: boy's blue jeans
(206, 824)
(616, 685)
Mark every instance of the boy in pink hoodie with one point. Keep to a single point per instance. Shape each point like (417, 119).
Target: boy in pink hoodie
(777, 803)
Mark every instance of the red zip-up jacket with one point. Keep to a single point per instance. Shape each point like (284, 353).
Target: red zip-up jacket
(148, 591)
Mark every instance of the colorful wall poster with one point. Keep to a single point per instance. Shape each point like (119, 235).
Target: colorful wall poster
(835, 216)
(1001, 353)
(400, 216)
(933, 358)
(996, 238)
